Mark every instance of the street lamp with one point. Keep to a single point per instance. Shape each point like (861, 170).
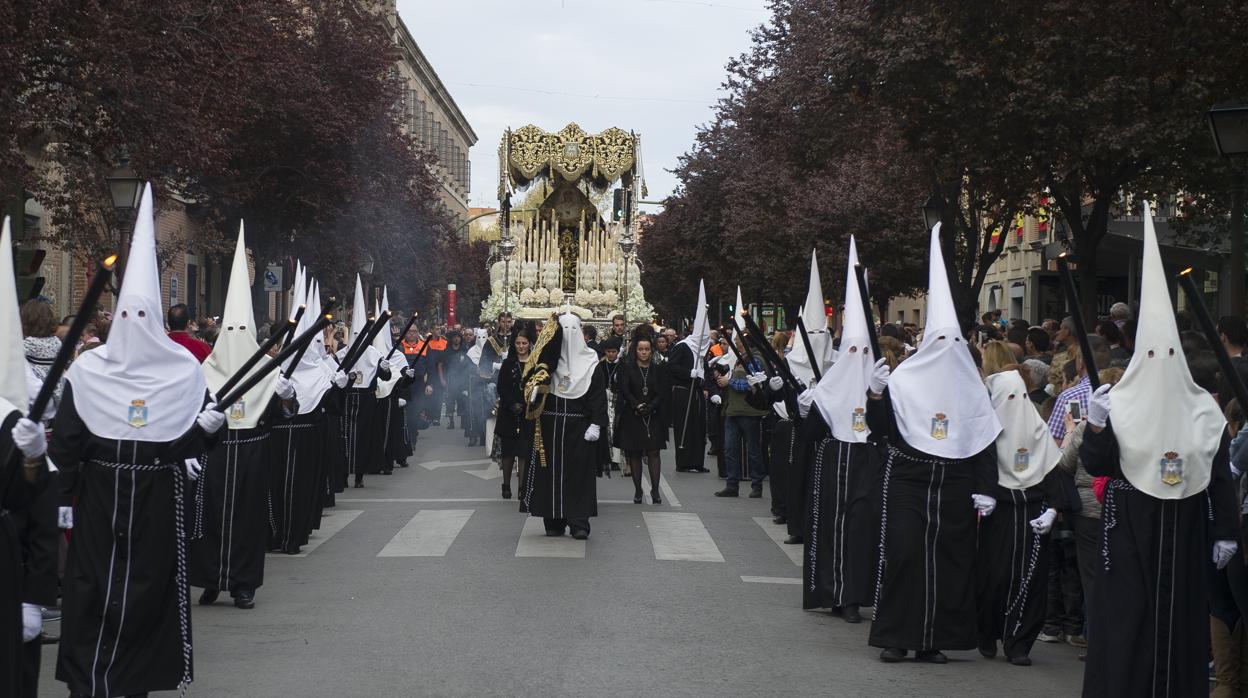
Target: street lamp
(125, 187)
(506, 247)
(1229, 126)
(366, 264)
(931, 212)
(627, 245)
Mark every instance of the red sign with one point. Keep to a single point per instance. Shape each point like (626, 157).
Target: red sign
(450, 304)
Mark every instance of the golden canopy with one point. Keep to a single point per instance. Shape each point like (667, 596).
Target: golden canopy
(529, 152)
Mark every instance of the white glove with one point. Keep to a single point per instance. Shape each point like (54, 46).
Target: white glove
(715, 399)
(65, 518)
(697, 374)
(193, 468)
(1223, 551)
(1098, 407)
(402, 402)
(498, 365)
(408, 373)
(383, 365)
(592, 433)
(984, 504)
(879, 377)
(804, 400)
(210, 420)
(775, 383)
(32, 621)
(1044, 523)
(285, 390)
(341, 379)
(30, 438)
(755, 378)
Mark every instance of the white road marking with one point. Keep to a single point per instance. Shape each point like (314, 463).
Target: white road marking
(778, 533)
(680, 536)
(435, 464)
(491, 472)
(535, 543)
(429, 533)
(399, 500)
(771, 580)
(332, 521)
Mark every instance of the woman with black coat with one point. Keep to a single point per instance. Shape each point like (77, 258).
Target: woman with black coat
(515, 433)
(645, 393)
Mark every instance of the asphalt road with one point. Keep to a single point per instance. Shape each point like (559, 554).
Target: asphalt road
(426, 583)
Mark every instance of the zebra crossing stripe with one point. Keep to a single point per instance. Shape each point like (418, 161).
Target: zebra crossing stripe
(429, 533)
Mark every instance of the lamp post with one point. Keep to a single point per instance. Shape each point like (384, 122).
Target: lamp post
(931, 212)
(627, 245)
(1229, 126)
(124, 189)
(506, 247)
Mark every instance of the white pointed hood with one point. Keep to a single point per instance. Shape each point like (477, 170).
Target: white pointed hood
(141, 385)
(1026, 451)
(736, 315)
(236, 343)
(1168, 428)
(577, 361)
(699, 339)
(13, 391)
(842, 394)
(816, 327)
(311, 377)
(939, 398)
(383, 343)
(366, 365)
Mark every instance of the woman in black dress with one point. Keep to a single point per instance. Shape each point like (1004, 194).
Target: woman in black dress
(644, 395)
(515, 433)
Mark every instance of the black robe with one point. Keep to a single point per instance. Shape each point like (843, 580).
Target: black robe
(925, 591)
(842, 532)
(1012, 565)
(233, 519)
(639, 433)
(126, 623)
(362, 429)
(688, 410)
(566, 486)
(514, 432)
(1149, 602)
(297, 474)
(20, 582)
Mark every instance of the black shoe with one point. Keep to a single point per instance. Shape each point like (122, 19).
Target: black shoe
(892, 655)
(45, 639)
(472, 442)
(988, 648)
(209, 597)
(794, 540)
(851, 614)
(51, 614)
(655, 498)
(245, 599)
(779, 521)
(580, 534)
(359, 484)
(450, 423)
(507, 491)
(756, 493)
(683, 470)
(637, 497)
(615, 466)
(931, 657)
(1021, 660)
(554, 532)
(435, 423)
(699, 470)
(727, 492)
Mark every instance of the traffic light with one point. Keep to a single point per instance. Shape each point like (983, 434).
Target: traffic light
(619, 207)
(26, 262)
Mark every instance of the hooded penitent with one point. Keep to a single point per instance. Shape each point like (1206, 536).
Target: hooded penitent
(699, 339)
(236, 343)
(13, 392)
(383, 342)
(816, 323)
(842, 394)
(366, 365)
(310, 378)
(1168, 429)
(1026, 451)
(939, 399)
(141, 385)
(577, 361)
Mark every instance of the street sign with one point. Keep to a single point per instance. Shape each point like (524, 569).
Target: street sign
(273, 278)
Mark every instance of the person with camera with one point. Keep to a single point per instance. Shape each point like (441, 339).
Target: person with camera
(645, 394)
(743, 422)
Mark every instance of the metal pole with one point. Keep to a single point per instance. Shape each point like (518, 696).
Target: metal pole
(1233, 300)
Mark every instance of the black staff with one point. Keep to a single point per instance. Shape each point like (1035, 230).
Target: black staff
(251, 381)
(1072, 299)
(290, 331)
(383, 320)
(408, 326)
(810, 352)
(355, 345)
(1215, 341)
(253, 359)
(860, 273)
(769, 353)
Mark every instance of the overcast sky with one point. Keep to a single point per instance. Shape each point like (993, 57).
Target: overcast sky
(651, 66)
